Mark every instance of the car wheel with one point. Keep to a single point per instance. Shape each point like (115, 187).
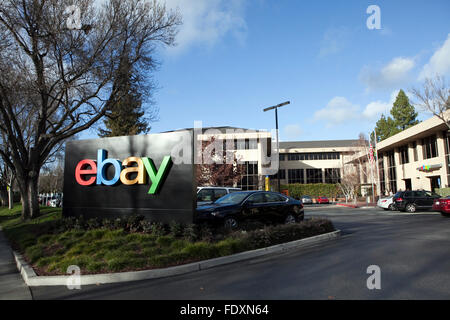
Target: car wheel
(410, 207)
(445, 214)
(230, 223)
(290, 219)
(392, 207)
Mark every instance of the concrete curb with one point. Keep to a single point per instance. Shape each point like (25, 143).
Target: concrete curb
(355, 206)
(33, 280)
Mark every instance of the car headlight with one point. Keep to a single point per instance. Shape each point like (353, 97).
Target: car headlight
(437, 202)
(215, 214)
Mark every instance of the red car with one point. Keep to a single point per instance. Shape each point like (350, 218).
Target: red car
(322, 200)
(442, 205)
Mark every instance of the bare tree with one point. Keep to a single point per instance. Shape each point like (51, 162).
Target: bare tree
(349, 183)
(434, 97)
(224, 169)
(61, 80)
(362, 157)
(51, 179)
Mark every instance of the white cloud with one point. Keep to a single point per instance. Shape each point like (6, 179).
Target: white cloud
(375, 109)
(338, 111)
(207, 21)
(394, 74)
(292, 131)
(439, 63)
(334, 40)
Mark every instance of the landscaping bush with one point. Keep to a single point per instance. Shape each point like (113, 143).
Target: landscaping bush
(51, 244)
(298, 190)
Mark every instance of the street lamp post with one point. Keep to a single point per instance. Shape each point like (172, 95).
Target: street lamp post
(278, 141)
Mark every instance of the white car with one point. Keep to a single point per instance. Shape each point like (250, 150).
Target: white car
(207, 195)
(387, 203)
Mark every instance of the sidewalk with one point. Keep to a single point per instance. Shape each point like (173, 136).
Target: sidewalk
(12, 286)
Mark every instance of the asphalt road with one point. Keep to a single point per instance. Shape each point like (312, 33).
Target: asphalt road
(412, 251)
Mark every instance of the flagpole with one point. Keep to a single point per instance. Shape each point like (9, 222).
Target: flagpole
(377, 165)
(371, 168)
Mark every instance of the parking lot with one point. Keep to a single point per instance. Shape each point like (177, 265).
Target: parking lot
(410, 249)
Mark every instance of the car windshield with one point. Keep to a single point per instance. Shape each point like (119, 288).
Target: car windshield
(232, 198)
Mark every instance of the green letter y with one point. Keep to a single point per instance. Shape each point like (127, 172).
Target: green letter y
(156, 176)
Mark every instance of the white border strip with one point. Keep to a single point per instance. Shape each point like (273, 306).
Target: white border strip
(33, 280)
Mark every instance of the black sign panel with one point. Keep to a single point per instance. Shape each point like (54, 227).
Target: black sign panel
(97, 184)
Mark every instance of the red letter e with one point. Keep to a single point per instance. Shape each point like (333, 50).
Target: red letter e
(79, 172)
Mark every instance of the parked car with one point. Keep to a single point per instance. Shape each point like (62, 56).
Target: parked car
(55, 202)
(411, 201)
(442, 205)
(306, 200)
(387, 203)
(323, 200)
(262, 206)
(207, 195)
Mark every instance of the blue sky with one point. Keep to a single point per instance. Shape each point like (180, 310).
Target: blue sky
(236, 57)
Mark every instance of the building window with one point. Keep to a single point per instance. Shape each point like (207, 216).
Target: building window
(392, 173)
(314, 156)
(281, 173)
(416, 157)
(332, 175)
(282, 156)
(253, 144)
(245, 144)
(296, 176)
(313, 175)
(250, 179)
(430, 147)
(404, 158)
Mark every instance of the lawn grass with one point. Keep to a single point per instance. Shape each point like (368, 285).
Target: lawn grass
(102, 250)
(23, 234)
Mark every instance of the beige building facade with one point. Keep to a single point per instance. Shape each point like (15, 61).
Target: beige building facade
(299, 161)
(416, 158)
(308, 162)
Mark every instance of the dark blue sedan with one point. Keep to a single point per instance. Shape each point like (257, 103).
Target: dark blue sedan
(262, 206)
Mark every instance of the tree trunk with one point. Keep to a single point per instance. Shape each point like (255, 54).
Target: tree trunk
(3, 196)
(10, 198)
(30, 201)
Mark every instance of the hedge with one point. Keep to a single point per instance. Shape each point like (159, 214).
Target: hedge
(314, 190)
(444, 192)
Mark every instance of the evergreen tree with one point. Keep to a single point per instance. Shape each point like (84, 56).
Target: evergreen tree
(386, 128)
(403, 113)
(126, 117)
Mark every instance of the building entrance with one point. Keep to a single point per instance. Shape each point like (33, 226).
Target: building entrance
(408, 185)
(435, 183)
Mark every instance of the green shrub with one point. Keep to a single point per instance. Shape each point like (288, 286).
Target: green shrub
(133, 223)
(444, 192)
(157, 229)
(298, 190)
(165, 241)
(229, 246)
(166, 260)
(96, 266)
(34, 253)
(191, 232)
(200, 250)
(117, 264)
(176, 229)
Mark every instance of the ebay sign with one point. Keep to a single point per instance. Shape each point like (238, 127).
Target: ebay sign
(89, 172)
(131, 175)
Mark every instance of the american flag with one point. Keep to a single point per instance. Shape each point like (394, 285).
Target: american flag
(372, 159)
